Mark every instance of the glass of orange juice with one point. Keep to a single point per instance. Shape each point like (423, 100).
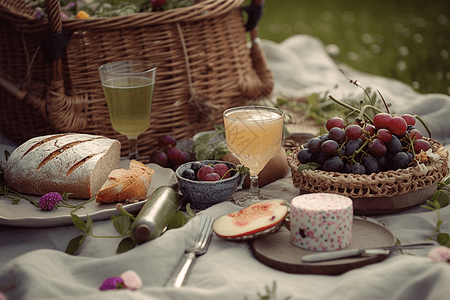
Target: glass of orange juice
(254, 135)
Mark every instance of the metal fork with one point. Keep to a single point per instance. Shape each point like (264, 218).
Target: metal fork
(188, 259)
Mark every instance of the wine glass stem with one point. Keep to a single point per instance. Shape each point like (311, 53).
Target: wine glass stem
(133, 149)
(254, 187)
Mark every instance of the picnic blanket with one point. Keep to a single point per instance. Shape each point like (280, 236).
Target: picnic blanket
(33, 264)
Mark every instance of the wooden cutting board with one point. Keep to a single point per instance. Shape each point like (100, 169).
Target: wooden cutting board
(277, 251)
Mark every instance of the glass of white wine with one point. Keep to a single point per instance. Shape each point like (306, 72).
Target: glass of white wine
(128, 88)
(254, 135)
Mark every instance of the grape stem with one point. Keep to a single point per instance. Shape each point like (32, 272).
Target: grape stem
(424, 124)
(352, 108)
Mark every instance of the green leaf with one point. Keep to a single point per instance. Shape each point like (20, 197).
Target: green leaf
(78, 222)
(88, 224)
(125, 245)
(189, 211)
(220, 152)
(443, 239)
(427, 207)
(177, 221)
(122, 223)
(308, 166)
(397, 242)
(441, 197)
(243, 170)
(75, 244)
(438, 224)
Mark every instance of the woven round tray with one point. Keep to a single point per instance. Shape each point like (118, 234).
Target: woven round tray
(376, 185)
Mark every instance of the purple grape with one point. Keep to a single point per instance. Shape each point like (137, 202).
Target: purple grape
(320, 158)
(352, 146)
(381, 162)
(330, 147)
(371, 164)
(305, 156)
(324, 137)
(358, 169)
(176, 156)
(189, 174)
(314, 145)
(333, 164)
(196, 165)
(377, 148)
(160, 158)
(337, 134)
(394, 145)
(399, 160)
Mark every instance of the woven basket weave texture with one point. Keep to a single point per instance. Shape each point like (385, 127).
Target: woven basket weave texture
(383, 184)
(204, 66)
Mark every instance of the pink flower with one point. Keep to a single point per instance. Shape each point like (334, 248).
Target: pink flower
(131, 280)
(49, 200)
(72, 4)
(440, 254)
(64, 16)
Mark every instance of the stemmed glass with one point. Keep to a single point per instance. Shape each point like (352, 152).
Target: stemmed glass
(254, 135)
(128, 88)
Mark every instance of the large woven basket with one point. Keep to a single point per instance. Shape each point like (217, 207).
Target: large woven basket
(376, 185)
(204, 66)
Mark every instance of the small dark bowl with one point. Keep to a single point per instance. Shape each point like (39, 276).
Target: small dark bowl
(204, 194)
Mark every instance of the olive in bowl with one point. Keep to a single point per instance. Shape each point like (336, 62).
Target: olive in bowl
(207, 182)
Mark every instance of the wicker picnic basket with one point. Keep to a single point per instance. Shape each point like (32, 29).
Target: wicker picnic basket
(376, 185)
(201, 51)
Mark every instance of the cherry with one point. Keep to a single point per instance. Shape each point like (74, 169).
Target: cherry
(384, 135)
(334, 122)
(382, 120)
(397, 125)
(353, 132)
(410, 120)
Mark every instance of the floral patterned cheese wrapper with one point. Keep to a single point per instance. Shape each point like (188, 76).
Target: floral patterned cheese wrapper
(321, 222)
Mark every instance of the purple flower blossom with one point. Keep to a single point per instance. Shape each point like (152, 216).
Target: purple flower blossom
(72, 4)
(49, 200)
(39, 13)
(112, 283)
(64, 16)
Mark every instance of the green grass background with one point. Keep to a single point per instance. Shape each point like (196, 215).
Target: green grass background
(405, 40)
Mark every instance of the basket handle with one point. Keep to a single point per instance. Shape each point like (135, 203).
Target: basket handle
(65, 113)
(264, 85)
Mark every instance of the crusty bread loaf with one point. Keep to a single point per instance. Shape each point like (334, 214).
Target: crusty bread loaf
(65, 163)
(122, 184)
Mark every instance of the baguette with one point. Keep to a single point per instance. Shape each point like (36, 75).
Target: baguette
(122, 184)
(65, 163)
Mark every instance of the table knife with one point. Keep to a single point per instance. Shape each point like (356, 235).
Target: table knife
(326, 256)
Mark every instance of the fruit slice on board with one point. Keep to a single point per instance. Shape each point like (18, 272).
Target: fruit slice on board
(254, 221)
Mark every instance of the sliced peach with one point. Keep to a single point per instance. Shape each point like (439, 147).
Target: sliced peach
(255, 218)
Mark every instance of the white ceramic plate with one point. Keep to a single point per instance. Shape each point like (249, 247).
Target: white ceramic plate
(26, 215)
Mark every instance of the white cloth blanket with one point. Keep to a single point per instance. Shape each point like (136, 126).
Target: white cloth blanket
(33, 264)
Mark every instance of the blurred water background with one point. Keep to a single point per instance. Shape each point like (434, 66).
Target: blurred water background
(405, 40)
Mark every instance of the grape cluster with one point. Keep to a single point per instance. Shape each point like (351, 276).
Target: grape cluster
(167, 155)
(207, 172)
(390, 143)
